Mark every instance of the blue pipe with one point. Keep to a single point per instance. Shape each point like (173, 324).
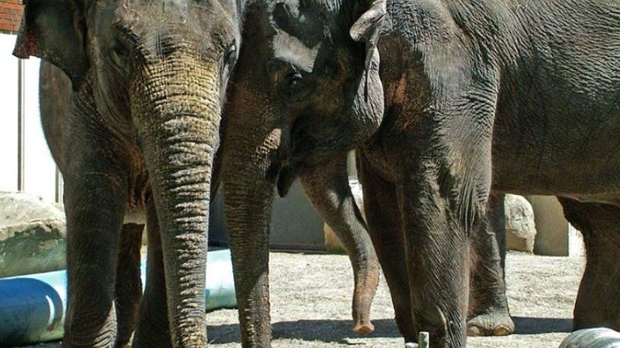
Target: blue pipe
(33, 307)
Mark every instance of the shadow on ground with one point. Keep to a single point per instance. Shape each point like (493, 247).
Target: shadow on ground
(328, 331)
(535, 326)
(339, 331)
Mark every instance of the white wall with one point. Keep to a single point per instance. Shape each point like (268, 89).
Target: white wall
(39, 166)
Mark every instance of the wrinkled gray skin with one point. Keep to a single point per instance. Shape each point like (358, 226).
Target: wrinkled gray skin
(249, 171)
(479, 96)
(327, 187)
(140, 136)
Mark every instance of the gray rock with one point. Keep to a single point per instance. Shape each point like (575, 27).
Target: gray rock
(32, 235)
(520, 227)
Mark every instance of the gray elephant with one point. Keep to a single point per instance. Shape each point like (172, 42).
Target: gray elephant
(327, 187)
(148, 81)
(470, 98)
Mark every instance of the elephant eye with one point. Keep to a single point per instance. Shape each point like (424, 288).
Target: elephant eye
(294, 80)
(296, 88)
(119, 53)
(230, 57)
(231, 54)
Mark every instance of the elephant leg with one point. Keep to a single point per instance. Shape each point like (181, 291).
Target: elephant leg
(488, 305)
(385, 229)
(128, 282)
(95, 205)
(437, 258)
(442, 204)
(598, 299)
(153, 327)
(327, 187)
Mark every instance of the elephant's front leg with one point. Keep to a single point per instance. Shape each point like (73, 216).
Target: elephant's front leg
(488, 305)
(443, 198)
(444, 185)
(437, 258)
(95, 205)
(327, 186)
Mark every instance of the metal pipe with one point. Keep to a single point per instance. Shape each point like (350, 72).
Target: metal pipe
(423, 340)
(58, 186)
(33, 307)
(21, 120)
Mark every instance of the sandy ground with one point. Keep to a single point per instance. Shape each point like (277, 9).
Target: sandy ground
(311, 295)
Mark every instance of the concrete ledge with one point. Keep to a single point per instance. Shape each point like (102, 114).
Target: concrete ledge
(32, 235)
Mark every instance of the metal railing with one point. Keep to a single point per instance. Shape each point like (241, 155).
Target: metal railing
(21, 123)
(21, 135)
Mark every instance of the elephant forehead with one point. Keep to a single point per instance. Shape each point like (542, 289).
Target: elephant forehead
(311, 21)
(155, 24)
(290, 49)
(172, 11)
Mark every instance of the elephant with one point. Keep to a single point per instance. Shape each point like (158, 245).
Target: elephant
(148, 81)
(449, 104)
(327, 188)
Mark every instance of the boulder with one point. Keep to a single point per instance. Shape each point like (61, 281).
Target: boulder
(520, 227)
(32, 235)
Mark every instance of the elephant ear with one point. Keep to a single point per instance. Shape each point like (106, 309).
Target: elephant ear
(367, 29)
(54, 30)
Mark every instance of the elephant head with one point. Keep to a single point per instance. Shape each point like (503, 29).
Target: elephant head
(148, 80)
(317, 73)
(306, 88)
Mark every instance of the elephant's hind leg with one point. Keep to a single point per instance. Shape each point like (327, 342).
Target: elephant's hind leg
(598, 300)
(488, 305)
(128, 282)
(153, 327)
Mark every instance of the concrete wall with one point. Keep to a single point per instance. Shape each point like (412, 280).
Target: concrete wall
(294, 222)
(555, 237)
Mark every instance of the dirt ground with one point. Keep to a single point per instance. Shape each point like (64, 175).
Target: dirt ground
(311, 295)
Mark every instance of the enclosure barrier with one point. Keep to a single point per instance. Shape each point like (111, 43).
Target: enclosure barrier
(33, 307)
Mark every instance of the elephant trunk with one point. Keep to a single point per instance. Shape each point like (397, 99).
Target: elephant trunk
(248, 197)
(177, 114)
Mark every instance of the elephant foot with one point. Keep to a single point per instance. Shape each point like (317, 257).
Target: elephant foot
(490, 324)
(363, 327)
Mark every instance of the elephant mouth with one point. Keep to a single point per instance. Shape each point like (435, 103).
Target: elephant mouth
(298, 152)
(282, 174)
(286, 163)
